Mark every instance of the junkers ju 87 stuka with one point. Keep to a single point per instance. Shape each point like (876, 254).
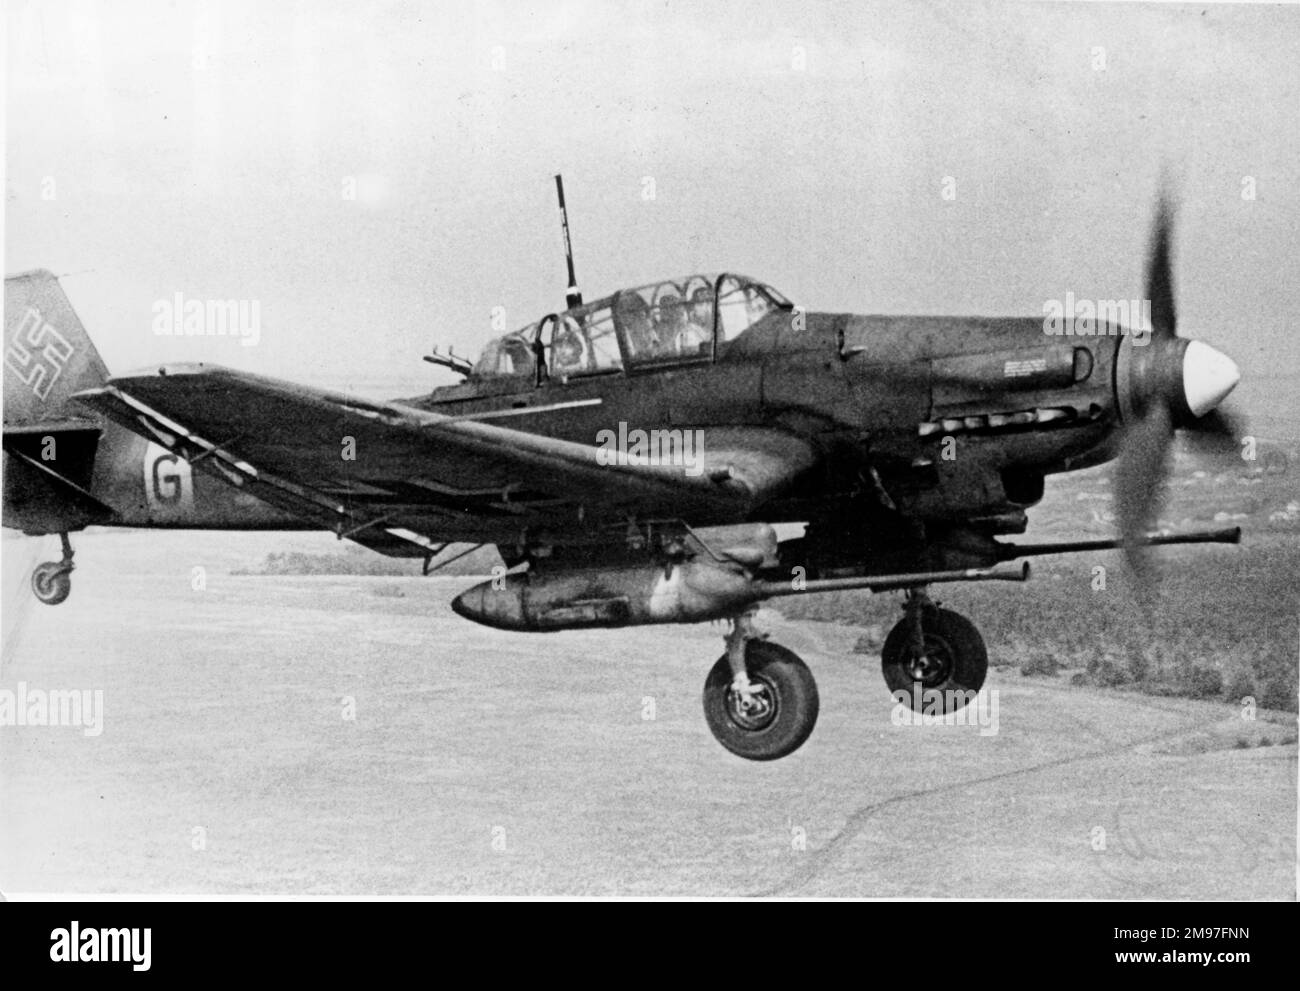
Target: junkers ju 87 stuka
(646, 457)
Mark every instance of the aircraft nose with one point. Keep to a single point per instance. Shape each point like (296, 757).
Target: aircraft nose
(1208, 377)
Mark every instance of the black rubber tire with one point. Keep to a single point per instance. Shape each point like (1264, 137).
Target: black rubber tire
(51, 582)
(788, 684)
(962, 661)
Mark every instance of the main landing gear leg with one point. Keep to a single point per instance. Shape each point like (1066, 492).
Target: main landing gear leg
(743, 629)
(915, 602)
(52, 580)
(760, 699)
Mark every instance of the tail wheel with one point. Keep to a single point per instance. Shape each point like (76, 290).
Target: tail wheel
(951, 670)
(777, 717)
(51, 582)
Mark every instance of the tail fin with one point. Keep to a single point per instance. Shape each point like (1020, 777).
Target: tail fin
(50, 443)
(48, 354)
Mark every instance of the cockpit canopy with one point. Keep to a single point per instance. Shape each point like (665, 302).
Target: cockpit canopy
(675, 321)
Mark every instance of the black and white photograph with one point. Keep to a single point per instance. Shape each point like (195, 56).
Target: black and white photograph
(700, 450)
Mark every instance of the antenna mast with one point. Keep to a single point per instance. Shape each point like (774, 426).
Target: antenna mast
(572, 296)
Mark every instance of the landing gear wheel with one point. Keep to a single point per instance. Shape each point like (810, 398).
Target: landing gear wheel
(51, 581)
(954, 664)
(776, 717)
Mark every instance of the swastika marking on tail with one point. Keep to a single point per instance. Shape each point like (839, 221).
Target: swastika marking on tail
(37, 353)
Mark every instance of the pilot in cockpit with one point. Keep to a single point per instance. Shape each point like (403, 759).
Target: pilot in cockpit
(670, 321)
(699, 323)
(568, 349)
(632, 314)
(757, 305)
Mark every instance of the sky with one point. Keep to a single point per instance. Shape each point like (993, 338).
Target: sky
(377, 176)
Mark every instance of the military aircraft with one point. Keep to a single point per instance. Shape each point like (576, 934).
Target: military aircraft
(633, 459)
